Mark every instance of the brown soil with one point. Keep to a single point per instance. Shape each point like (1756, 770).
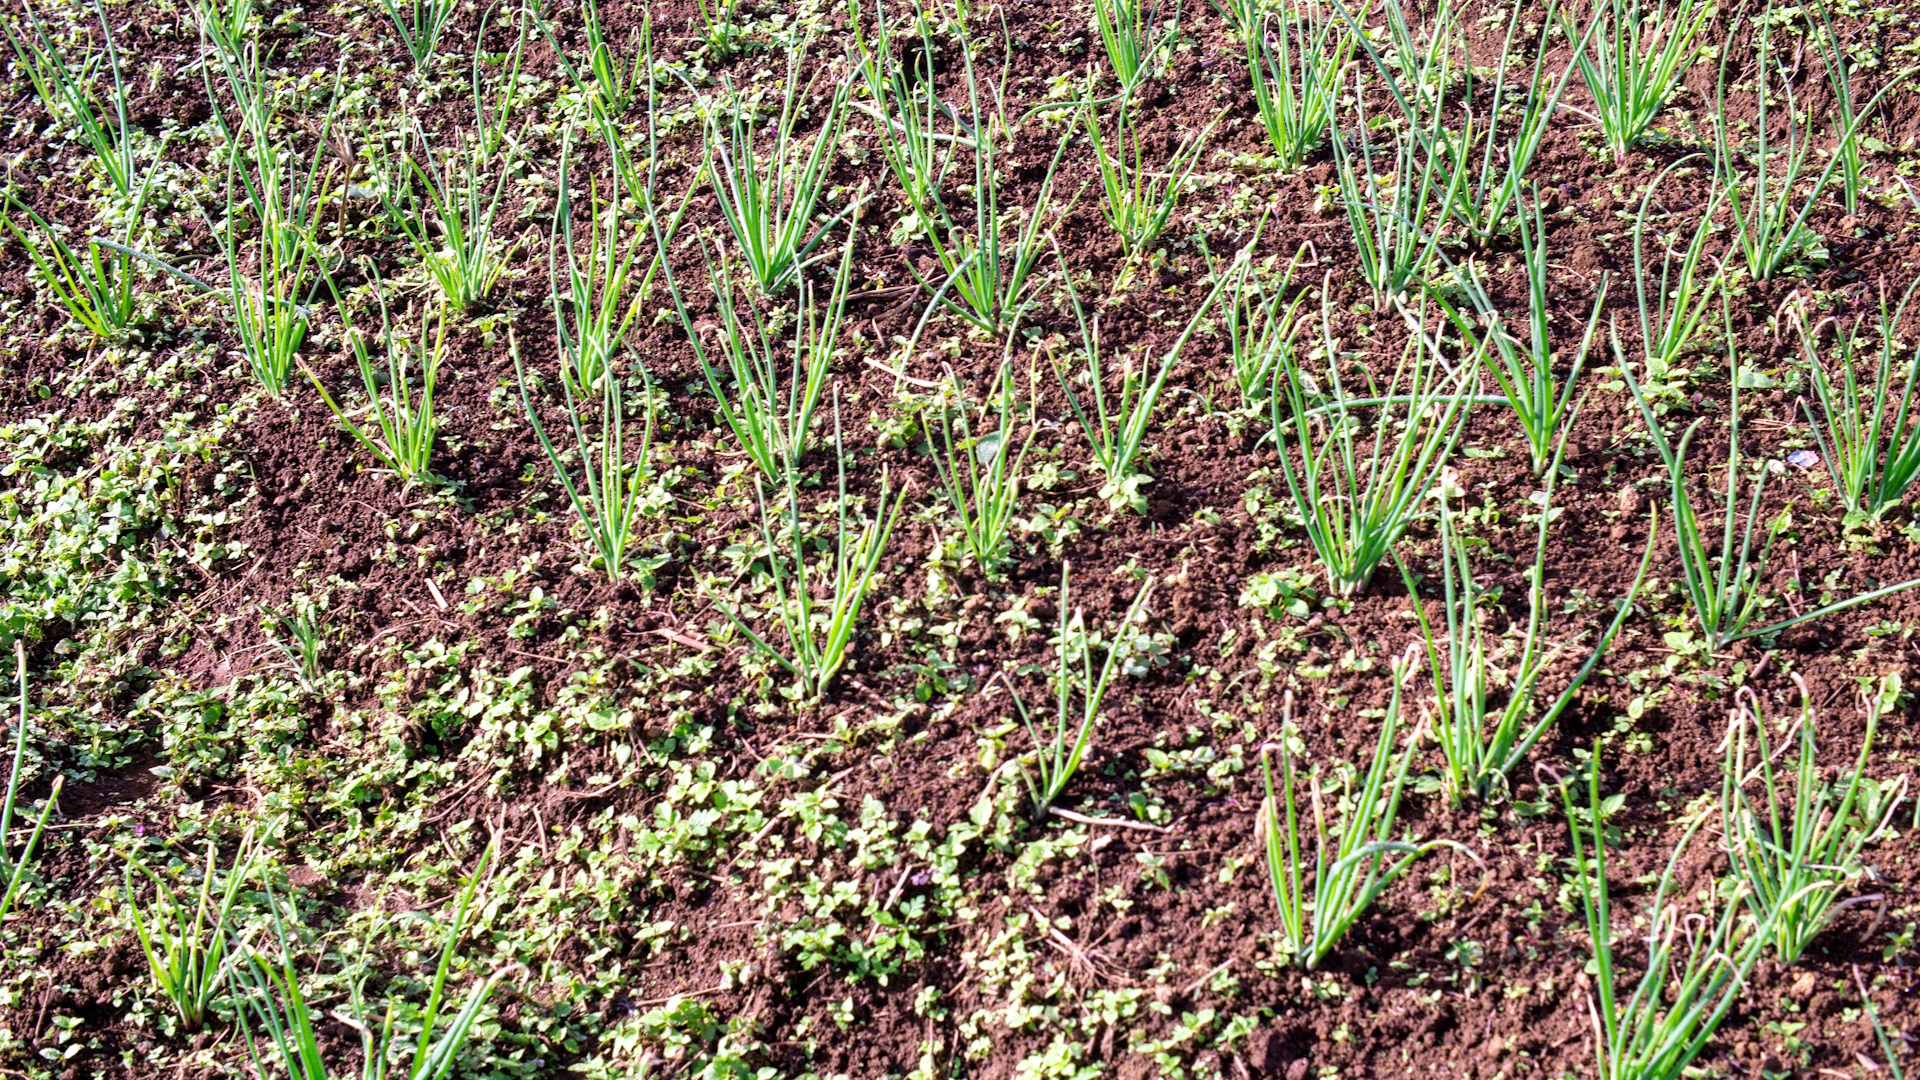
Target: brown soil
(1471, 966)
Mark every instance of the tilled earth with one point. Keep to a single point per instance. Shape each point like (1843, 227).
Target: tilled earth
(702, 875)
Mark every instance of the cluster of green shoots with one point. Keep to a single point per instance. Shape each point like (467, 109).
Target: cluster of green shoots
(206, 964)
(1431, 169)
(1793, 842)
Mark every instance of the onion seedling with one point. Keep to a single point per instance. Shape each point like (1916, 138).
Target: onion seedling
(606, 498)
(62, 87)
(770, 414)
(596, 300)
(224, 21)
(720, 19)
(1261, 323)
(1131, 32)
(818, 629)
(917, 133)
(491, 124)
(265, 182)
(96, 285)
(420, 24)
(1697, 964)
(452, 229)
(1794, 860)
(1482, 742)
(988, 261)
(1541, 401)
(1872, 456)
(1139, 199)
(1354, 856)
(1117, 429)
(186, 943)
(274, 1003)
(1487, 190)
(403, 427)
(1671, 311)
(1727, 590)
(613, 79)
(769, 201)
(15, 868)
(1846, 118)
(1396, 217)
(1357, 493)
(1635, 55)
(1296, 68)
(981, 469)
(1061, 746)
(300, 636)
(1769, 231)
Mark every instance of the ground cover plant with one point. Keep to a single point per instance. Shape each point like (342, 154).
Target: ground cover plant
(936, 538)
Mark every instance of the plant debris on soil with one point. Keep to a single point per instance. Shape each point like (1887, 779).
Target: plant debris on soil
(542, 714)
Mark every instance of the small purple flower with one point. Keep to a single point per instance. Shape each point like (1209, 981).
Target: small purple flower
(1803, 459)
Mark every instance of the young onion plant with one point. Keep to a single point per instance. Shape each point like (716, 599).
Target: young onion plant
(1673, 306)
(614, 79)
(1062, 744)
(1483, 742)
(1796, 856)
(274, 1005)
(769, 201)
(185, 941)
(1636, 54)
(420, 24)
(1488, 171)
(1696, 968)
(1367, 463)
(1868, 440)
(1116, 425)
(1133, 34)
(1542, 401)
(269, 194)
(1727, 588)
(14, 868)
(452, 229)
(1261, 322)
(491, 120)
(917, 133)
(597, 292)
(1296, 60)
(988, 252)
(606, 497)
(981, 464)
(769, 389)
(63, 86)
(819, 629)
(1140, 198)
(1846, 119)
(1395, 216)
(1355, 855)
(402, 426)
(1764, 183)
(95, 284)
